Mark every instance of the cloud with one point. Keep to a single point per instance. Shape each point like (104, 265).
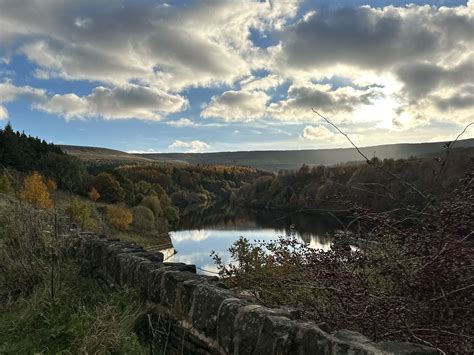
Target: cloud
(127, 101)
(3, 113)
(252, 105)
(265, 83)
(237, 106)
(301, 99)
(9, 92)
(375, 39)
(117, 42)
(420, 79)
(186, 122)
(462, 101)
(408, 65)
(195, 146)
(317, 132)
(182, 122)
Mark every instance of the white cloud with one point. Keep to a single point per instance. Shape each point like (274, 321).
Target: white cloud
(10, 92)
(186, 122)
(182, 122)
(265, 83)
(172, 46)
(252, 105)
(3, 113)
(127, 101)
(339, 103)
(195, 146)
(402, 67)
(237, 106)
(320, 133)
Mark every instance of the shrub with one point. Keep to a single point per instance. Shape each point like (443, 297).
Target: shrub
(153, 203)
(139, 198)
(415, 284)
(119, 217)
(5, 184)
(142, 187)
(109, 188)
(83, 213)
(94, 195)
(52, 185)
(172, 216)
(35, 192)
(143, 218)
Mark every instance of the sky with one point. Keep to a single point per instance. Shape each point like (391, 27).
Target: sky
(203, 76)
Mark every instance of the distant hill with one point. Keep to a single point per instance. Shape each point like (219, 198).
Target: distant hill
(274, 160)
(95, 153)
(271, 160)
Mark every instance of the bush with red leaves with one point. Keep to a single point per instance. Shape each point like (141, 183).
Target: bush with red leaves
(415, 284)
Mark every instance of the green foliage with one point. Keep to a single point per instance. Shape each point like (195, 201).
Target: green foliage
(172, 216)
(86, 318)
(5, 185)
(24, 240)
(332, 188)
(142, 187)
(143, 219)
(153, 203)
(84, 213)
(184, 199)
(69, 172)
(189, 184)
(23, 152)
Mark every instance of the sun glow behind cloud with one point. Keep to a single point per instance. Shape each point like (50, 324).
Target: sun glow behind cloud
(172, 77)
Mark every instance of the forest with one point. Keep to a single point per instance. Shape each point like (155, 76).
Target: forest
(136, 200)
(151, 192)
(379, 186)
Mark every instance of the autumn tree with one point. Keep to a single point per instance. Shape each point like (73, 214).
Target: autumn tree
(119, 217)
(143, 218)
(35, 191)
(52, 185)
(109, 188)
(94, 195)
(83, 213)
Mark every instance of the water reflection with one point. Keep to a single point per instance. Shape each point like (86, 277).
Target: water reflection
(216, 229)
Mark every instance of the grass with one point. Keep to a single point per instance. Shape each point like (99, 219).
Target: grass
(85, 317)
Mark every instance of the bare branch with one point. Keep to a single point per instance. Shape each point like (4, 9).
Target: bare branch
(371, 162)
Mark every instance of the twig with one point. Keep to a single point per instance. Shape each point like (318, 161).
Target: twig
(371, 162)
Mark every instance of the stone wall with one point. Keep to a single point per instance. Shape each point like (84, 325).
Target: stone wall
(196, 314)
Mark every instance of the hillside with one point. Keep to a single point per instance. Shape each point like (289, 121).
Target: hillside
(293, 159)
(271, 160)
(96, 153)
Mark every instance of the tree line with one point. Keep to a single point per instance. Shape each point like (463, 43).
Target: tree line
(338, 187)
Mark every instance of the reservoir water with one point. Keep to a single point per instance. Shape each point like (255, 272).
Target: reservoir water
(217, 229)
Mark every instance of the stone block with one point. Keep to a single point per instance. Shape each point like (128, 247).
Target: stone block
(249, 324)
(206, 305)
(309, 339)
(275, 336)
(175, 295)
(226, 323)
